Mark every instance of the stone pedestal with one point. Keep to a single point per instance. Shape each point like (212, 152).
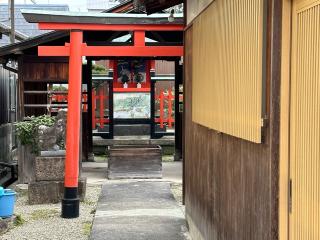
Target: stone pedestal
(49, 168)
(48, 186)
(134, 162)
(45, 192)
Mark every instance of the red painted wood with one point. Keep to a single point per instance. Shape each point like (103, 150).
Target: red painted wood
(152, 64)
(54, 51)
(74, 111)
(170, 109)
(139, 38)
(165, 120)
(161, 109)
(133, 51)
(85, 104)
(105, 27)
(93, 109)
(115, 51)
(161, 98)
(131, 89)
(101, 115)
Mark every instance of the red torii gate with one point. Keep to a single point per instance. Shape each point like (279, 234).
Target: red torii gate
(76, 49)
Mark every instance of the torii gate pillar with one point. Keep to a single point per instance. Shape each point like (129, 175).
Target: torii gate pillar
(70, 201)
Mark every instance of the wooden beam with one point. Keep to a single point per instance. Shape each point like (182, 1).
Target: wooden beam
(115, 51)
(139, 38)
(110, 27)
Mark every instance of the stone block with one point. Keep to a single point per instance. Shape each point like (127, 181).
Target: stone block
(49, 168)
(3, 225)
(81, 188)
(6, 223)
(134, 162)
(132, 130)
(45, 192)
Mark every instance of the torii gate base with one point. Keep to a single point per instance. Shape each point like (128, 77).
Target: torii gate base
(75, 50)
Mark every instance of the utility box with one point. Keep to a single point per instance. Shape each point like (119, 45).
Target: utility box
(135, 162)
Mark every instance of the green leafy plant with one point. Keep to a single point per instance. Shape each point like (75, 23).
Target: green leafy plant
(98, 69)
(27, 130)
(59, 88)
(87, 226)
(18, 221)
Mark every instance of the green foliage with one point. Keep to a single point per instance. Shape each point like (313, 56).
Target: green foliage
(42, 214)
(18, 221)
(98, 69)
(86, 226)
(59, 88)
(27, 130)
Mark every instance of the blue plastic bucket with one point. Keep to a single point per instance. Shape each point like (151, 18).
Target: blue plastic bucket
(7, 200)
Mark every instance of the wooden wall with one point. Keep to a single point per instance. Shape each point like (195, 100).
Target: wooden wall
(164, 67)
(231, 185)
(45, 69)
(36, 73)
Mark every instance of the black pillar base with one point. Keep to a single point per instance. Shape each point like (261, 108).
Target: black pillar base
(70, 203)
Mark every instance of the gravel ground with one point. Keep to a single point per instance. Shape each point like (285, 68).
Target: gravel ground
(176, 189)
(42, 222)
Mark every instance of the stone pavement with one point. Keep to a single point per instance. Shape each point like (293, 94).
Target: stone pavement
(138, 210)
(96, 172)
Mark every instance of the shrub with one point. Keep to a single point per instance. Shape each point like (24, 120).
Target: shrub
(27, 130)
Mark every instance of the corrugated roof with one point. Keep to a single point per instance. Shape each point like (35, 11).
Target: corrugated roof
(31, 42)
(153, 6)
(124, 7)
(21, 24)
(6, 31)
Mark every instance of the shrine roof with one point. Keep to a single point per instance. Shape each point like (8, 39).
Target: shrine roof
(41, 16)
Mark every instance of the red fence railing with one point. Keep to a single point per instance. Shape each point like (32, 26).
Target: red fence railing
(166, 101)
(100, 120)
(59, 100)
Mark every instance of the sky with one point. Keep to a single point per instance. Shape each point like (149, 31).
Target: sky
(74, 5)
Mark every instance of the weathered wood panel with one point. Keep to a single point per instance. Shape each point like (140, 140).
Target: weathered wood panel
(53, 70)
(164, 67)
(231, 184)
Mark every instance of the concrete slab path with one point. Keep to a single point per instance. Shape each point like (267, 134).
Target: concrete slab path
(138, 210)
(96, 172)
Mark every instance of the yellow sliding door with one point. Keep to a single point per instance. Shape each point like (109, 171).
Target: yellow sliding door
(304, 217)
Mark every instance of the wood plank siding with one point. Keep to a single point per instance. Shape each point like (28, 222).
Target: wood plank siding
(39, 69)
(231, 185)
(37, 72)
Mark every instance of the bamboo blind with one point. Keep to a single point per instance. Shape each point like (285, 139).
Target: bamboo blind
(305, 121)
(228, 68)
